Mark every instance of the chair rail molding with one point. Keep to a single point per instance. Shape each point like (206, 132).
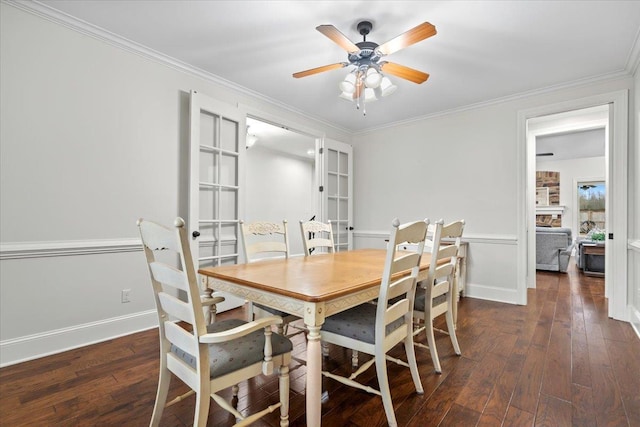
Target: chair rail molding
(500, 239)
(20, 250)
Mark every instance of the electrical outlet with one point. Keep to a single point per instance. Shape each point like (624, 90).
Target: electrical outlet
(126, 295)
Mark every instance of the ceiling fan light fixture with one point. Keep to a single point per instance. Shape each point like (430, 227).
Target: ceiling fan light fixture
(372, 78)
(370, 95)
(386, 87)
(348, 85)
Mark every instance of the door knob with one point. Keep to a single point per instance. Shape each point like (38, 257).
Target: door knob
(195, 234)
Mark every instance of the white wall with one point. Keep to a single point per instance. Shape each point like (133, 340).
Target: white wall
(279, 186)
(571, 171)
(457, 165)
(93, 137)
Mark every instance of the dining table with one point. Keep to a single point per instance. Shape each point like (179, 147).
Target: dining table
(313, 288)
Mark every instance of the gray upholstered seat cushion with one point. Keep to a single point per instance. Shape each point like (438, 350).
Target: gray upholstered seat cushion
(420, 298)
(273, 311)
(357, 323)
(233, 355)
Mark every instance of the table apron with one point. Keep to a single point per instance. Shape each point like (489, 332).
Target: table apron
(313, 313)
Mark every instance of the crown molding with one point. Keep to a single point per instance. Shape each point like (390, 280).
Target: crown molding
(51, 14)
(528, 94)
(47, 12)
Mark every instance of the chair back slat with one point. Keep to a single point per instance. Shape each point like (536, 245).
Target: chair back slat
(180, 338)
(168, 275)
(176, 308)
(317, 235)
(405, 262)
(402, 290)
(262, 238)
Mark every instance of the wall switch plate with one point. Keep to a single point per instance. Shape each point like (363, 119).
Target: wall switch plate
(126, 295)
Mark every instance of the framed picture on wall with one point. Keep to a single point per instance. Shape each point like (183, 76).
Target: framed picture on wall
(542, 196)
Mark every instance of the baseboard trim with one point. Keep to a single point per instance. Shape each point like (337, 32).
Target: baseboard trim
(634, 320)
(509, 296)
(31, 347)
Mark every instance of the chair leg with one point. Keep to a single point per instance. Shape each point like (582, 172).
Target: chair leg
(284, 395)
(385, 392)
(451, 326)
(354, 358)
(432, 345)
(413, 363)
(202, 408)
(164, 381)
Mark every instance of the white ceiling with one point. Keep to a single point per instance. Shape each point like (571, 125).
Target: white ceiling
(484, 50)
(572, 145)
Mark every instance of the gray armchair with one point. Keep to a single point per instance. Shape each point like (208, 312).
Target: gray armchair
(553, 248)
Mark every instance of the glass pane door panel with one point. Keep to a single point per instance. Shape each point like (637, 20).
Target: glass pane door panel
(228, 204)
(207, 129)
(343, 166)
(344, 186)
(332, 161)
(228, 169)
(332, 208)
(207, 231)
(208, 202)
(332, 185)
(229, 135)
(208, 167)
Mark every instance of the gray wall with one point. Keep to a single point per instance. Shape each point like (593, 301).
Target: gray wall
(93, 137)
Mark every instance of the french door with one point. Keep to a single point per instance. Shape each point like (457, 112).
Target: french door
(337, 191)
(216, 154)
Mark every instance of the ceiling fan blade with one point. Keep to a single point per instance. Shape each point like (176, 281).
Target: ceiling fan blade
(319, 69)
(340, 39)
(408, 38)
(403, 72)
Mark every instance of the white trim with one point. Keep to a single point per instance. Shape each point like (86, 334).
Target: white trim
(501, 239)
(497, 101)
(491, 293)
(550, 210)
(34, 346)
(19, 250)
(634, 319)
(47, 12)
(634, 245)
(617, 274)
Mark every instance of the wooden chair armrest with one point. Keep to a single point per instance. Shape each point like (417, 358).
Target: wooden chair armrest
(215, 298)
(240, 331)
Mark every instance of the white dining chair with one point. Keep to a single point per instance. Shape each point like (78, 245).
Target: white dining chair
(317, 237)
(376, 329)
(437, 295)
(207, 358)
(260, 241)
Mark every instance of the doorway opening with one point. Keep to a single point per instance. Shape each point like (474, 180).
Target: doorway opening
(280, 179)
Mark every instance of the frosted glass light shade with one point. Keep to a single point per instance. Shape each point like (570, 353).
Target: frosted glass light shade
(372, 78)
(387, 87)
(348, 85)
(369, 95)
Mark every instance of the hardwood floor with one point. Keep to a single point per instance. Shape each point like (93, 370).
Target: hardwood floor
(559, 361)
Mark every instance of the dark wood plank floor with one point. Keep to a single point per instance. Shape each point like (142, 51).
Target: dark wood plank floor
(559, 361)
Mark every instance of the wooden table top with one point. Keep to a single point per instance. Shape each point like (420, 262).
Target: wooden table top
(316, 278)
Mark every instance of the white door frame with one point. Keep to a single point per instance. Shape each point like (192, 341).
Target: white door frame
(616, 176)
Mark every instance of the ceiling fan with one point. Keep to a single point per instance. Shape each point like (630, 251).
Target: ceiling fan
(366, 57)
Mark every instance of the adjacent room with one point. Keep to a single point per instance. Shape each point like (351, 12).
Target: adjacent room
(295, 213)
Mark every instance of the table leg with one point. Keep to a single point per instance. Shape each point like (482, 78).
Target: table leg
(314, 377)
